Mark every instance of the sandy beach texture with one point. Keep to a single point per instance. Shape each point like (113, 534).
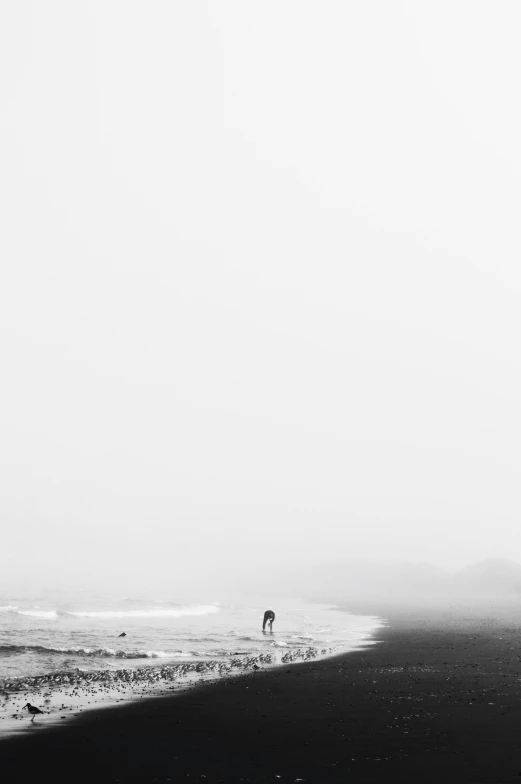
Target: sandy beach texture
(438, 700)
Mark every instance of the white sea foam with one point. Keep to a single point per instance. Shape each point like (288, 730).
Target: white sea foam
(172, 612)
(39, 613)
(109, 652)
(77, 650)
(34, 613)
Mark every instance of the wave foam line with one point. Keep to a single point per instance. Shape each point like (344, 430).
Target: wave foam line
(100, 652)
(172, 612)
(32, 613)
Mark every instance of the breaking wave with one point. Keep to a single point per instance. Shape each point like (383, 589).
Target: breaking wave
(7, 650)
(33, 613)
(156, 612)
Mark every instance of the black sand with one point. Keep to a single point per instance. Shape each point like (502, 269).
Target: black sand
(437, 701)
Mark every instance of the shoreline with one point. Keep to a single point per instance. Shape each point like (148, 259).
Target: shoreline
(438, 700)
(103, 689)
(74, 693)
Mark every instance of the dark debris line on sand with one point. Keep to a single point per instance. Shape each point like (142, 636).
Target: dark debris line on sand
(438, 701)
(148, 675)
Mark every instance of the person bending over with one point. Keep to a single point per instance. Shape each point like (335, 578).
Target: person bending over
(269, 617)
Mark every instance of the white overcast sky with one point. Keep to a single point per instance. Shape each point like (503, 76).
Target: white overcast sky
(260, 283)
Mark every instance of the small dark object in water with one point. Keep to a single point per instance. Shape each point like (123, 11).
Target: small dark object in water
(123, 634)
(269, 617)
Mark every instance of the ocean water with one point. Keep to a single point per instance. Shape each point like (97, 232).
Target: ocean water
(43, 636)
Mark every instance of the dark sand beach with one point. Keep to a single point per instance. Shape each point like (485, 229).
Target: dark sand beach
(438, 700)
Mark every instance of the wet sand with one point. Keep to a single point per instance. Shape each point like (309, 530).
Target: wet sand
(437, 701)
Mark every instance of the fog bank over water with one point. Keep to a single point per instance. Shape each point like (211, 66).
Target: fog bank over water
(259, 296)
(343, 582)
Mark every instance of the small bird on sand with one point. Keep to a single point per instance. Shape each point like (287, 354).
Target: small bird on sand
(33, 710)
(123, 634)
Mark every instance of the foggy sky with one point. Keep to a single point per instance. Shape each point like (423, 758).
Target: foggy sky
(260, 277)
